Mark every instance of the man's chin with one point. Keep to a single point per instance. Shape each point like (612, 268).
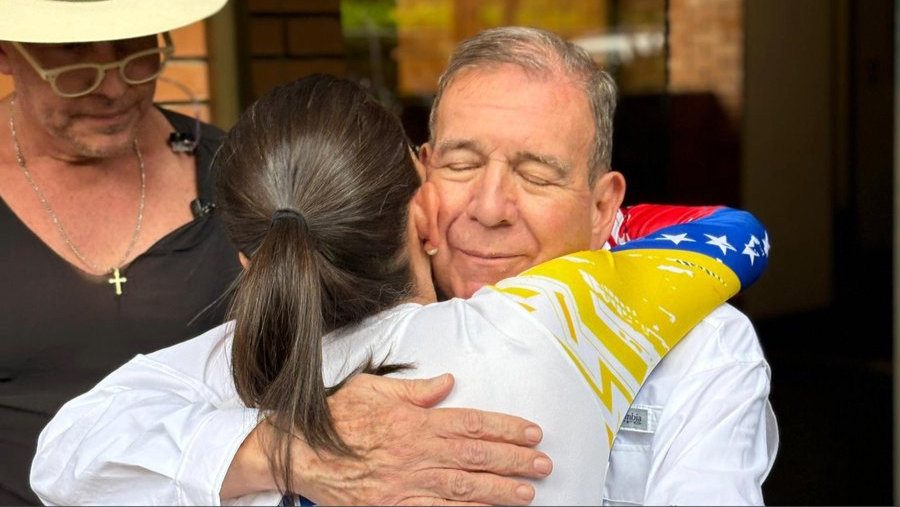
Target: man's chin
(466, 278)
(468, 288)
(102, 138)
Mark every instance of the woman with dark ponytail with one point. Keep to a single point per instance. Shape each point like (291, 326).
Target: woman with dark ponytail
(324, 199)
(326, 238)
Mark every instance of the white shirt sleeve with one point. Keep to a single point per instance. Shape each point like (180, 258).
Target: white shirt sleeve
(711, 436)
(160, 430)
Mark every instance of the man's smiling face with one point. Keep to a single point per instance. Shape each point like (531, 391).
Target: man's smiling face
(510, 159)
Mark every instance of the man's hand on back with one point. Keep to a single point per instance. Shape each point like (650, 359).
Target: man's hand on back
(411, 454)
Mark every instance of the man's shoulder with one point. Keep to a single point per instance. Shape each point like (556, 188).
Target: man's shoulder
(725, 336)
(723, 345)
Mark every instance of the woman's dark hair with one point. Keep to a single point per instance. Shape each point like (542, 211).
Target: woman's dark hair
(314, 186)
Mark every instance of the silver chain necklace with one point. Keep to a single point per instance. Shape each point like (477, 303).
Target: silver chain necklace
(116, 279)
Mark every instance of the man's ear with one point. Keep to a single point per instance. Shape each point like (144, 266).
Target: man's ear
(424, 154)
(425, 207)
(608, 194)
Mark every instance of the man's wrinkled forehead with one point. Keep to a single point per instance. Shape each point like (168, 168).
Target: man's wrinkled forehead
(477, 75)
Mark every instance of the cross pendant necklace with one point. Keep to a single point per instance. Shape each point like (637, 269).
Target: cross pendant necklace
(117, 278)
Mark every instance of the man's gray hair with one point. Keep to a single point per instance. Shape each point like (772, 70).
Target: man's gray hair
(540, 52)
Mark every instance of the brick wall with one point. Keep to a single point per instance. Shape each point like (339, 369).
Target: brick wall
(289, 39)
(706, 39)
(190, 70)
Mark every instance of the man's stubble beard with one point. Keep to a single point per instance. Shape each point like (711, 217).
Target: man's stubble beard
(94, 150)
(81, 142)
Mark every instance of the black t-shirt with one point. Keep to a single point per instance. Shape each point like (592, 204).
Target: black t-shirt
(62, 331)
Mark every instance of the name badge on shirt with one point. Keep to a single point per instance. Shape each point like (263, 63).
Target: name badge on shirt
(637, 419)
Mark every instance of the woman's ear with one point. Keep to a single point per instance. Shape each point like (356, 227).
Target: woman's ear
(245, 262)
(608, 194)
(425, 206)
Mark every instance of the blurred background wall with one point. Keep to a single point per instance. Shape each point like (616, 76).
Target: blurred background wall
(784, 108)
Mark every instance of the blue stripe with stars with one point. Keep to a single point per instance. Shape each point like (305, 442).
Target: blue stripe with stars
(728, 235)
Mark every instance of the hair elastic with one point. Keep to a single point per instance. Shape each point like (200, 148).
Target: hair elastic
(292, 214)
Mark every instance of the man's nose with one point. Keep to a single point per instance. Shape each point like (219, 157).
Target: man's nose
(111, 84)
(495, 199)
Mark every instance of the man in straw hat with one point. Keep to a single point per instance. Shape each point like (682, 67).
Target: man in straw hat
(111, 248)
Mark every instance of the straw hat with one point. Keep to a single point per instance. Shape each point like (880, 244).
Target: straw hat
(97, 20)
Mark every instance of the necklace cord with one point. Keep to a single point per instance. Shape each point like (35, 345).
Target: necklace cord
(20, 160)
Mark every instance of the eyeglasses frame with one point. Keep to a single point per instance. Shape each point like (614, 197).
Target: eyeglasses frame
(50, 75)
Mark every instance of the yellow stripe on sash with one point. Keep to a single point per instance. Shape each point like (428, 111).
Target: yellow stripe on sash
(616, 314)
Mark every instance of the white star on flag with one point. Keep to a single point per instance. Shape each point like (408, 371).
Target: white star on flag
(721, 242)
(766, 244)
(676, 238)
(750, 248)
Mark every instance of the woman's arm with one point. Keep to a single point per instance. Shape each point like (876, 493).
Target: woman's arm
(725, 234)
(617, 313)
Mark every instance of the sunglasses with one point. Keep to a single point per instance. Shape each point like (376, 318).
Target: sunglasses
(80, 79)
